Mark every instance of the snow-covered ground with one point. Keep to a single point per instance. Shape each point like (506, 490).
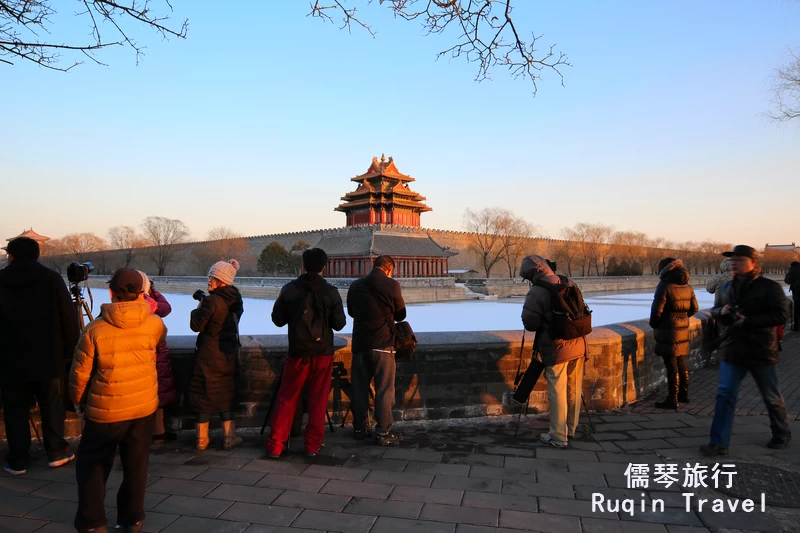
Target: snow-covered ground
(472, 315)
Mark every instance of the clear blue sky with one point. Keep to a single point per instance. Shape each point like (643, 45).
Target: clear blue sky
(258, 120)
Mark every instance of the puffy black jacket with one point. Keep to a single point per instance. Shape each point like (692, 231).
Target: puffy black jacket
(291, 303)
(213, 386)
(373, 301)
(673, 303)
(792, 279)
(38, 323)
(764, 306)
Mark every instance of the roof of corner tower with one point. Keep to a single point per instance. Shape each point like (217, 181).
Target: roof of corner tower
(383, 168)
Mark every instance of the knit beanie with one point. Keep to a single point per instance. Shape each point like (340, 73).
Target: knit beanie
(224, 271)
(146, 284)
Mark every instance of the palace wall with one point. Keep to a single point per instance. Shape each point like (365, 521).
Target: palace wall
(187, 262)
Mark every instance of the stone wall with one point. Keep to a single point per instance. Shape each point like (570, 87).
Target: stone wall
(452, 375)
(461, 374)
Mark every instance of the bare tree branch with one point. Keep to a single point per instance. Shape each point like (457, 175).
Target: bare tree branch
(786, 87)
(23, 21)
(487, 32)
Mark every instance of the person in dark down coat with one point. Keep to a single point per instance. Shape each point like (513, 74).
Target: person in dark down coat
(674, 302)
(38, 332)
(312, 308)
(563, 358)
(752, 307)
(213, 386)
(375, 302)
(167, 395)
(792, 279)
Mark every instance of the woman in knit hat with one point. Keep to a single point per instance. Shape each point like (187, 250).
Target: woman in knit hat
(167, 395)
(213, 386)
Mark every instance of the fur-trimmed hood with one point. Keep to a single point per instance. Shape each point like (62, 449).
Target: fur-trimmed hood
(675, 272)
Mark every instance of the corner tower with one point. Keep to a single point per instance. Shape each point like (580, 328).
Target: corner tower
(383, 197)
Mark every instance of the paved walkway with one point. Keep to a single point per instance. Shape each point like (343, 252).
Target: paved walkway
(462, 476)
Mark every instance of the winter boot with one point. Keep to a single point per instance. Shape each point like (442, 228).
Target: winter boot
(671, 402)
(202, 435)
(683, 390)
(232, 440)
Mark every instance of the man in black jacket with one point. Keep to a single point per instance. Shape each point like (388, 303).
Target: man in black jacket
(38, 333)
(312, 308)
(375, 302)
(792, 279)
(751, 308)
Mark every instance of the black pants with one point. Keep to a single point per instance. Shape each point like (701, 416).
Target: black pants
(96, 457)
(796, 317)
(380, 366)
(17, 400)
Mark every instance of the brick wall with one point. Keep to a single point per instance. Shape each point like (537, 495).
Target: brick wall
(462, 374)
(452, 375)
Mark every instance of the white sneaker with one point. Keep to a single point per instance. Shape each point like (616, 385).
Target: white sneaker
(548, 439)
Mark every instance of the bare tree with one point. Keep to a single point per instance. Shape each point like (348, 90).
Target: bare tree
(487, 227)
(226, 243)
(654, 253)
(564, 252)
(487, 33)
(590, 240)
(515, 234)
(54, 254)
(164, 235)
(125, 238)
(786, 88)
(222, 244)
(78, 246)
(26, 27)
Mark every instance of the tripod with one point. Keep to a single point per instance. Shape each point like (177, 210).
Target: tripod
(81, 306)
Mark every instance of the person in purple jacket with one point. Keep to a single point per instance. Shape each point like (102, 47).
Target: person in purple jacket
(167, 395)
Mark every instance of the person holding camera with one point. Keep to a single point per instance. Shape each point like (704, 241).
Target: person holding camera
(563, 358)
(312, 308)
(751, 308)
(375, 302)
(213, 386)
(167, 395)
(673, 303)
(38, 333)
(792, 279)
(114, 384)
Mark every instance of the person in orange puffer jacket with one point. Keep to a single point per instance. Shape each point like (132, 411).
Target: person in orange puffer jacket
(114, 382)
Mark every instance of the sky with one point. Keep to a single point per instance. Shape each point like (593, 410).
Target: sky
(258, 120)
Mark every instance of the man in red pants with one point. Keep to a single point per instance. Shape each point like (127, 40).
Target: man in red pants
(312, 308)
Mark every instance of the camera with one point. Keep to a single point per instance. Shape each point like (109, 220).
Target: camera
(730, 318)
(77, 272)
(199, 295)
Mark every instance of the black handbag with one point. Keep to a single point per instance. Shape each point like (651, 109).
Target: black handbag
(405, 342)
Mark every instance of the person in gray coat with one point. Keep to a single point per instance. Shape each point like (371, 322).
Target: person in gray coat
(563, 359)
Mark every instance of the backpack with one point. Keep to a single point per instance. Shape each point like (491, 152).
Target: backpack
(572, 318)
(310, 320)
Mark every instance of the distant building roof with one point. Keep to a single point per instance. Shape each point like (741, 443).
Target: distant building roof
(783, 247)
(31, 235)
(366, 244)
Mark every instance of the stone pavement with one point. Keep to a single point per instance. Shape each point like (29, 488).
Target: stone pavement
(458, 476)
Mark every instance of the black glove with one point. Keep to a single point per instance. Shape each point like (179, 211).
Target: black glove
(199, 295)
